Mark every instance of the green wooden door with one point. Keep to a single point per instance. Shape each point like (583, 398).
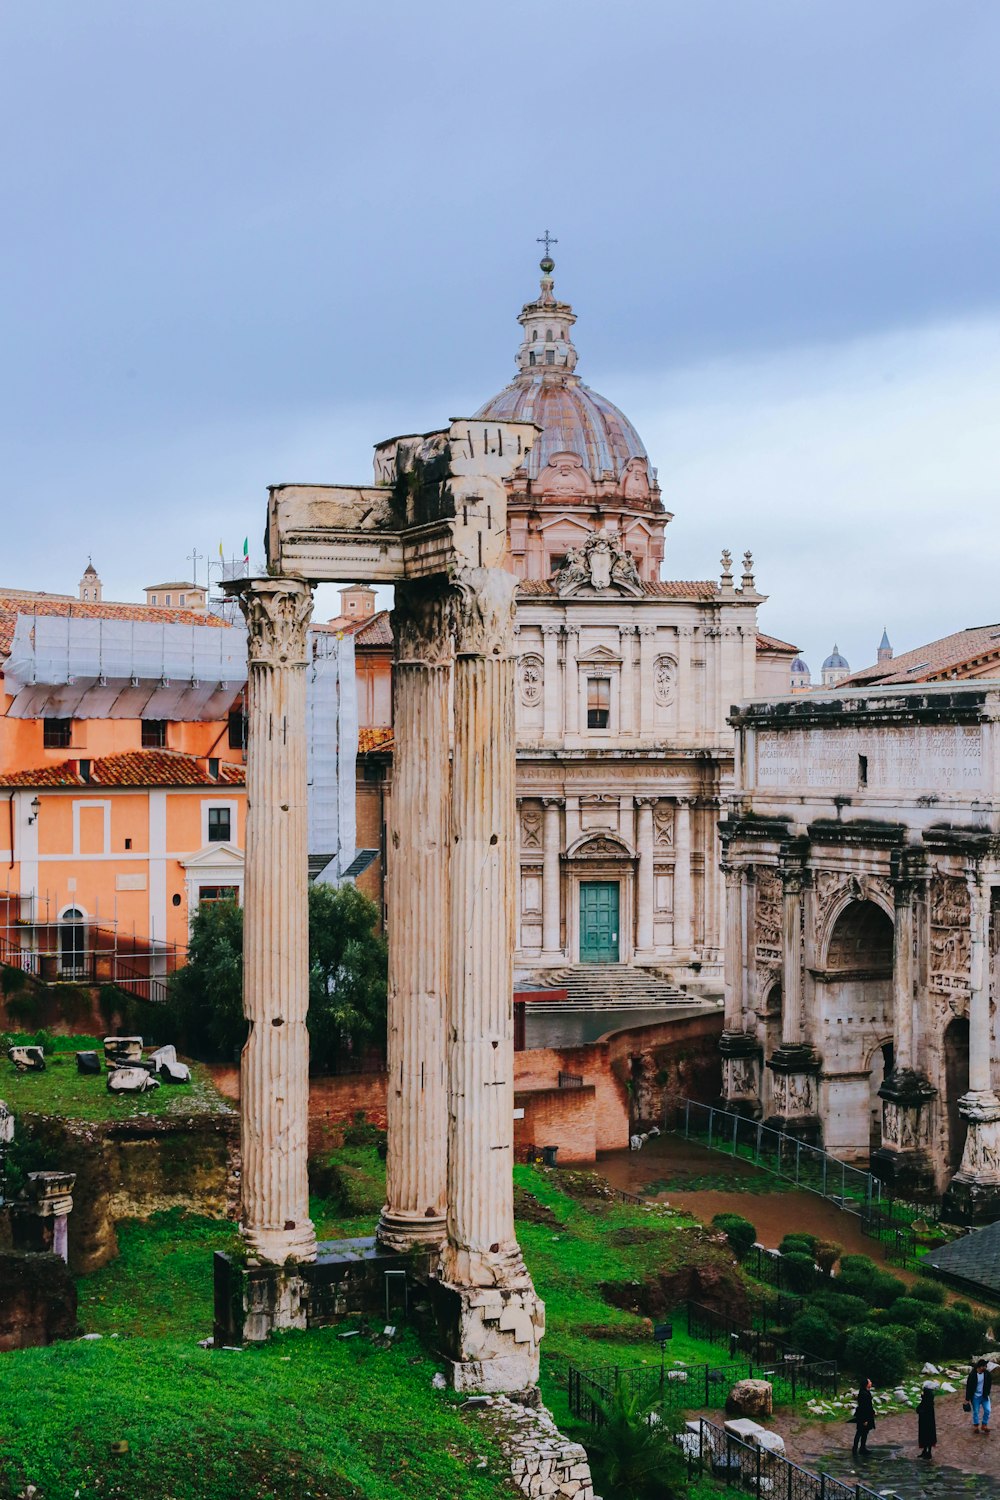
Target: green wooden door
(599, 922)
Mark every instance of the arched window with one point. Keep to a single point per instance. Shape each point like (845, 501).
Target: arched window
(534, 335)
(548, 335)
(72, 942)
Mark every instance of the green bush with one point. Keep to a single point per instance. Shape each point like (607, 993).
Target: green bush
(859, 1276)
(798, 1243)
(844, 1310)
(909, 1311)
(905, 1337)
(930, 1339)
(962, 1333)
(827, 1254)
(927, 1291)
(875, 1354)
(798, 1272)
(740, 1233)
(815, 1332)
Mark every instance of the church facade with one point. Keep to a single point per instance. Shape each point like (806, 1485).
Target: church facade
(625, 682)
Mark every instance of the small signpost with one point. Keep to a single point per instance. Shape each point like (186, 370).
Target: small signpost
(661, 1333)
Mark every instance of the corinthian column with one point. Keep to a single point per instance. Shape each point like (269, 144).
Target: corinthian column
(551, 686)
(499, 1318)
(274, 1071)
(417, 901)
(795, 1065)
(973, 1196)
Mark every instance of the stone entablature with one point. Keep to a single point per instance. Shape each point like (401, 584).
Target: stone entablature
(862, 852)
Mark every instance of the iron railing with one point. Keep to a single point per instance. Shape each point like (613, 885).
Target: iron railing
(752, 1470)
(851, 1189)
(677, 1389)
(748, 1338)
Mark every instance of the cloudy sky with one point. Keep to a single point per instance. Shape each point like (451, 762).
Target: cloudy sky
(244, 241)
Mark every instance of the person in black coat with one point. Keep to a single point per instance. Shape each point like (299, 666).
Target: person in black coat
(864, 1418)
(926, 1422)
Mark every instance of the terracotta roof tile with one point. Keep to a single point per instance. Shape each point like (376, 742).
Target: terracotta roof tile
(373, 631)
(377, 737)
(974, 652)
(138, 768)
(11, 606)
(772, 643)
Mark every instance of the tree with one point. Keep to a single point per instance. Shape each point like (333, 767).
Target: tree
(348, 963)
(206, 995)
(632, 1454)
(347, 979)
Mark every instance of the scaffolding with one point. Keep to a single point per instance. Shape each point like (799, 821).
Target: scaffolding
(63, 948)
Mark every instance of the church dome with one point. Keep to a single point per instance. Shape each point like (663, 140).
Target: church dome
(574, 420)
(835, 662)
(799, 667)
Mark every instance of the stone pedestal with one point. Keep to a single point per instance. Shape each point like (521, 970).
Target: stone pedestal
(417, 899)
(494, 1315)
(973, 1195)
(742, 1059)
(274, 1075)
(40, 1222)
(903, 1161)
(795, 1092)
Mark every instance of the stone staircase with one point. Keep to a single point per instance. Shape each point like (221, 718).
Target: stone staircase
(607, 987)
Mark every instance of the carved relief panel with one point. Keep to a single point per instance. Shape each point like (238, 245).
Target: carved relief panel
(950, 918)
(531, 828)
(767, 926)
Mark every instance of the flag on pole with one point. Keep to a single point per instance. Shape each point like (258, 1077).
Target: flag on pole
(246, 549)
(221, 553)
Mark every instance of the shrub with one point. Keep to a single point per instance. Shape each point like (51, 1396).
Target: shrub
(827, 1254)
(632, 1452)
(798, 1243)
(815, 1332)
(861, 1277)
(962, 1333)
(798, 1273)
(362, 1132)
(904, 1337)
(909, 1311)
(740, 1233)
(930, 1339)
(875, 1354)
(844, 1309)
(927, 1291)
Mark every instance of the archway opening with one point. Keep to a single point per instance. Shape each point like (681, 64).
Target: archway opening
(956, 1083)
(72, 943)
(856, 997)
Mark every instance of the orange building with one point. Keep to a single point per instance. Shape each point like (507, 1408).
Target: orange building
(121, 764)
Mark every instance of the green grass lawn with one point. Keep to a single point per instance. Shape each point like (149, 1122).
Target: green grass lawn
(62, 1091)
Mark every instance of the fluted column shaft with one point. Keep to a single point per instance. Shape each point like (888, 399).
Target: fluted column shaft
(551, 914)
(417, 902)
(791, 958)
(682, 875)
(646, 892)
(980, 1047)
(734, 1006)
(483, 876)
(902, 978)
(274, 1071)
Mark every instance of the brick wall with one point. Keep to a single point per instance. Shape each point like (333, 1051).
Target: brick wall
(540, 1069)
(557, 1117)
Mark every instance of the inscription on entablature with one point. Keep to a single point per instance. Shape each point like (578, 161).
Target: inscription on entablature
(950, 921)
(917, 757)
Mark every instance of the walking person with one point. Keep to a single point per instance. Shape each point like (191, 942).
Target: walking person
(926, 1421)
(864, 1418)
(977, 1395)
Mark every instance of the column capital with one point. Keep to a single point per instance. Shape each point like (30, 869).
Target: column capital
(686, 631)
(685, 801)
(551, 630)
(647, 629)
(555, 802)
(277, 612)
(482, 611)
(645, 800)
(420, 620)
(627, 629)
(794, 879)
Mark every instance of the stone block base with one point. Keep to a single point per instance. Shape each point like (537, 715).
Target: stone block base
(37, 1300)
(489, 1335)
(967, 1201)
(346, 1279)
(805, 1128)
(906, 1174)
(544, 1464)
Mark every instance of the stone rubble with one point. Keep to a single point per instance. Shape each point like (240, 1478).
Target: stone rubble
(544, 1464)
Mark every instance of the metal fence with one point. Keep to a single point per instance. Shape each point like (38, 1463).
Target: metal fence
(749, 1338)
(677, 1390)
(853, 1190)
(752, 1470)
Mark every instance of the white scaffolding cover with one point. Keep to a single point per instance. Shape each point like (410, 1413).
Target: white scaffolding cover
(332, 726)
(71, 666)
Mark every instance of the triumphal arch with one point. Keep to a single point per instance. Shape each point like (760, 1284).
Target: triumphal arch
(434, 526)
(862, 867)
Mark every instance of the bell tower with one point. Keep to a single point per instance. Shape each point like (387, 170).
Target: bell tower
(90, 585)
